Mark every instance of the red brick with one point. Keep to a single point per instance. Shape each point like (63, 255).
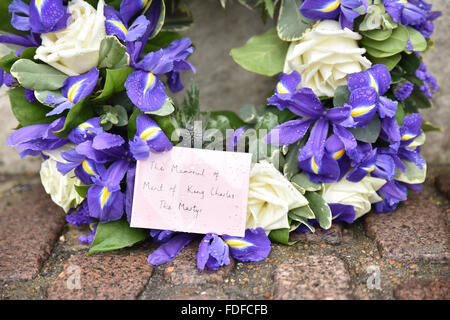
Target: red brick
(312, 277)
(102, 277)
(30, 224)
(423, 290)
(332, 236)
(416, 231)
(442, 182)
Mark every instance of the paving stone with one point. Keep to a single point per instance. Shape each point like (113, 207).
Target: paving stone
(30, 224)
(442, 182)
(183, 270)
(312, 277)
(101, 277)
(423, 290)
(416, 231)
(332, 236)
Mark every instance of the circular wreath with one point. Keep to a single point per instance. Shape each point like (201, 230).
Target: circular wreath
(89, 85)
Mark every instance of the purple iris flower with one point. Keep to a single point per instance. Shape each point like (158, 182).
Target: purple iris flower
(411, 128)
(129, 192)
(426, 28)
(144, 88)
(405, 12)
(149, 136)
(81, 217)
(429, 82)
(170, 249)
(367, 89)
(393, 192)
(115, 24)
(254, 246)
(339, 213)
(34, 139)
(332, 9)
(319, 165)
(89, 238)
(74, 89)
(162, 236)
(85, 169)
(404, 91)
(213, 252)
(105, 198)
(40, 16)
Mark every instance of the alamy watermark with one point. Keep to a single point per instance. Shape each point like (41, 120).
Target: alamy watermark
(374, 280)
(73, 282)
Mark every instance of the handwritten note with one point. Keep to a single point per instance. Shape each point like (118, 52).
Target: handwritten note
(192, 190)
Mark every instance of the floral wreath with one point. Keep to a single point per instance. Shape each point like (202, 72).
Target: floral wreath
(88, 85)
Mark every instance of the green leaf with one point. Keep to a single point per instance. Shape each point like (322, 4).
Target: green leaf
(281, 236)
(302, 183)
(396, 43)
(41, 96)
(165, 110)
(268, 121)
(390, 62)
(28, 113)
(178, 17)
(400, 114)
(115, 235)
(410, 63)
(82, 190)
(341, 96)
(418, 42)
(132, 128)
(412, 175)
(291, 167)
(7, 61)
(428, 126)
(320, 208)
(167, 124)
(79, 113)
(291, 23)
(378, 34)
(369, 133)
(34, 76)
(304, 212)
(115, 82)
(417, 100)
(28, 53)
(249, 114)
(112, 54)
(232, 117)
(263, 54)
(270, 7)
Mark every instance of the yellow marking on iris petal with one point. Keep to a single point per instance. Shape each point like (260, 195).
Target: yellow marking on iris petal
(339, 154)
(407, 137)
(373, 83)
(314, 165)
(150, 81)
(74, 90)
(144, 3)
(361, 111)
(281, 88)
(369, 169)
(404, 2)
(150, 133)
(332, 6)
(39, 4)
(119, 25)
(236, 243)
(87, 168)
(104, 196)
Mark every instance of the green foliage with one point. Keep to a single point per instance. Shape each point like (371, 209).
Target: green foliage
(281, 236)
(418, 41)
(416, 101)
(113, 54)
(7, 61)
(389, 47)
(263, 54)
(178, 16)
(113, 116)
(28, 113)
(82, 190)
(114, 83)
(167, 109)
(291, 23)
(302, 183)
(35, 76)
(320, 208)
(132, 128)
(341, 96)
(115, 235)
(369, 133)
(79, 113)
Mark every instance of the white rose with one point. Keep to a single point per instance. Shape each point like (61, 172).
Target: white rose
(270, 198)
(61, 188)
(325, 56)
(360, 195)
(75, 49)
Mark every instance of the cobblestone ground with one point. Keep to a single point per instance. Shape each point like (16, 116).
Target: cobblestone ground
(400, 255)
